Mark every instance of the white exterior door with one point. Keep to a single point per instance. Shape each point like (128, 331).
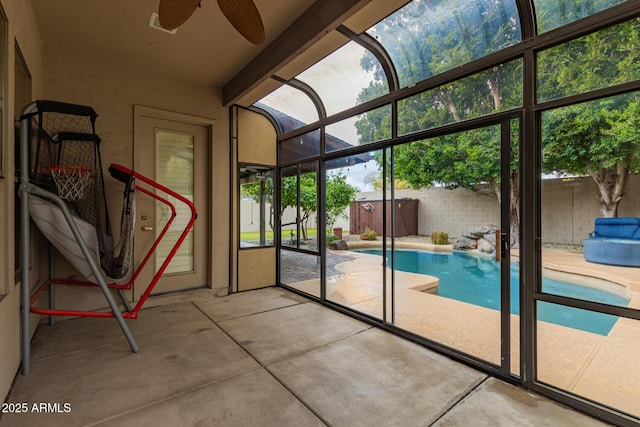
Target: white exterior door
(173, 150)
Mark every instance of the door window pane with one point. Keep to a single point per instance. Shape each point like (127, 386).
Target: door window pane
(289, 206)
(590, 194)
(174, 169)
(355, 278)
(590, 229)
(447, 278)
(601, 366)
(299, 206)
(300, 271)
(308, 202)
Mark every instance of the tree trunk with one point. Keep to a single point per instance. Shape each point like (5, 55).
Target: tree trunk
(495, 186)
(451, 105)
(514, 206)
(494, 87)
(514, 209)
(612, 184)
(303, 224)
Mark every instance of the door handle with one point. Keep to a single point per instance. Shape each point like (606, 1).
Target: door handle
(146, 228)
(504, 244)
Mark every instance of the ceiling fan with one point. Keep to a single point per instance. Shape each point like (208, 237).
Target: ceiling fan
(242, 14)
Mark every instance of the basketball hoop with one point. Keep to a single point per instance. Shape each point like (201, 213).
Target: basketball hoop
(72, 181)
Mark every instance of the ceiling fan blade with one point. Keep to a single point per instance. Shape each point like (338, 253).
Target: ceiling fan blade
(244, 16)
(173, 13)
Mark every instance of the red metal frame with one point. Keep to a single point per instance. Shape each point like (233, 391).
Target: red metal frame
(133, 313)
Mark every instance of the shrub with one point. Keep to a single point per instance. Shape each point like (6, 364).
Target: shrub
(331, 238)
(439, 238)
(368, 234)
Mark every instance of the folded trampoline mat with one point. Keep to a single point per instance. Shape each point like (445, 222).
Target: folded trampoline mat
(52, 223)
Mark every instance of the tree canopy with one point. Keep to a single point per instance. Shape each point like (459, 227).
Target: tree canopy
(600, 138)
(339, 194)
(468, 159)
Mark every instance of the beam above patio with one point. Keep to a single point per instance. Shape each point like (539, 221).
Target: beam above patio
(315, 23)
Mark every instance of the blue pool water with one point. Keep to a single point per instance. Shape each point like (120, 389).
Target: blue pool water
(476, 280)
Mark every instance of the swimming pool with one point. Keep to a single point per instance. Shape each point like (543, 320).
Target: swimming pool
(476, 280)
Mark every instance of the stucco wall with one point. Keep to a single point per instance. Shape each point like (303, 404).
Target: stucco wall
(452, 211)
(113, 89)
(569, 207)
(256, 144)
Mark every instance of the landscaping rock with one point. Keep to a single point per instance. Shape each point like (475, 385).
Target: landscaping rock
(338, 245)
(486, 246)
(465, 243)
(470, 235)
(491, 238)
(481, 229)
(480, 236)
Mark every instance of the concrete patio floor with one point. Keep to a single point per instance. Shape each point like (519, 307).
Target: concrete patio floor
(259, 358)
(605, 369)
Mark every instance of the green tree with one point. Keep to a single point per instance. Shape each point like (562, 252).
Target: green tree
(339, 195)
(288, 196)
(469, 159)
(601, 138)
(259, 187)
(604, 134)
(375, 179)
(308, 202)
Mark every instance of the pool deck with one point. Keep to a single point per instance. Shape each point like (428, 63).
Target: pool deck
(603, 368)
(575, 263)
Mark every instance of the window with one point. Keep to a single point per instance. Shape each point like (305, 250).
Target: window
(597, 60)
(290, 107)
(299, 206)
(427, 38)
(552, 14)
(300, 147)
(175, 168)
(341, 80)
(3, 74)
(496, 89)
(256, 206)
(512, 152)
(365, 128)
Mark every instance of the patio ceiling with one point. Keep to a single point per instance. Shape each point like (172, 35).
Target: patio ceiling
(206, 50)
